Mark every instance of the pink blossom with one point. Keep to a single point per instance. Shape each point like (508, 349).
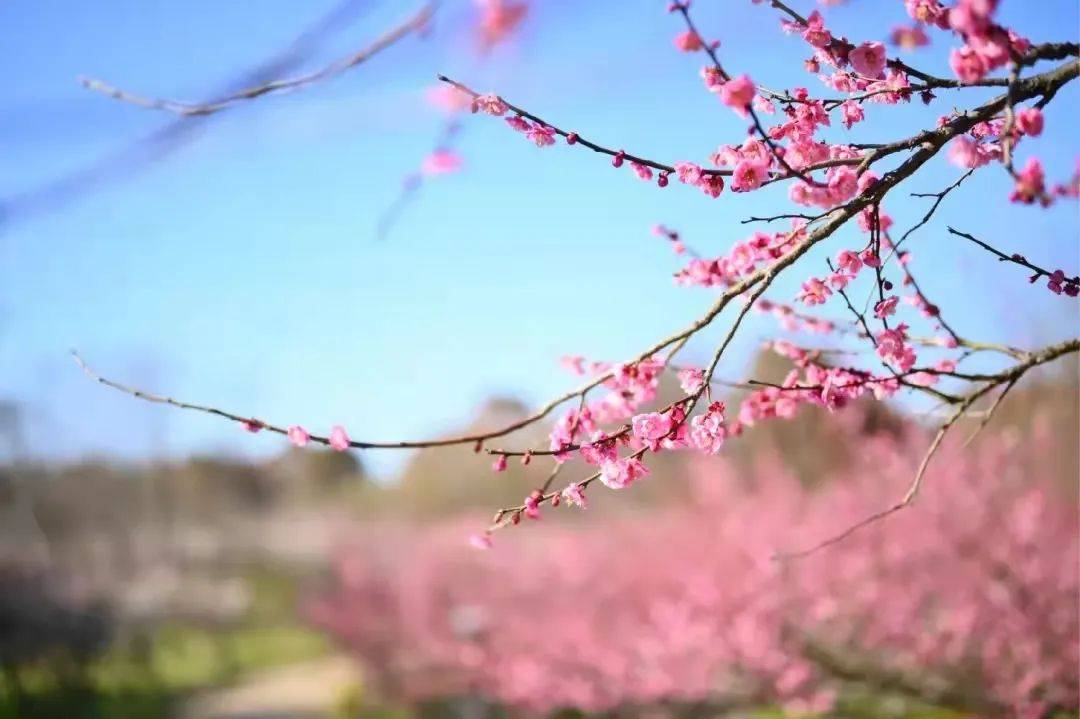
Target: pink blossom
(441, 162)
(712, 185)
(498, 20)
(1030, 121)
(814, 292)
(931, 12)
(748, 175)
(968, 65)
(1030, 183)
(574, 364)
(688, 173)
(851, 112)
(967, 153)
(707, 431)
(541, 135)
(763, 104)
(642, 171)
(909, 38)
(886, 307)
(339, 438)
(843, 183)
(691, 380)
(621, 473)
(532, 505)
(868, 59)
(298, 435)
(972, 17)
(449, 98)
(892, 347)
(688, 41)
(574, 494)
(519, 123)
(815, 32)
(499, 464)
(651, 427)
(848, 261)
(738, 93)
(490, 104)
(870, 258)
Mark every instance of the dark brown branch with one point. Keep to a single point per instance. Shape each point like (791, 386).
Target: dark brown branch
(1016, 259)
(933, 208)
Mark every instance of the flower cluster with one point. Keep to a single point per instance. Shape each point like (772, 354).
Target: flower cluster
(745, 258)
(987, 46)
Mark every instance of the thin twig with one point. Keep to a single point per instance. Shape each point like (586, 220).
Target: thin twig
(415, 23)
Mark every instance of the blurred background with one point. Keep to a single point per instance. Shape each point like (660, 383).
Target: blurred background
(298, 257)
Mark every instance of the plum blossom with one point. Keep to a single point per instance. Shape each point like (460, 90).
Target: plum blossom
(532, 505)
(712, 185)
(519, 123)
(748, 175)
(968, 154)
(573, 494)
(621, 473)
(737, 93)
(931, 12)
(541, 135)
(691, 380)
(1030, 121)
(339, 438)
(498, 19)
(814, 292)
(688, 173)
(868, 59)
(851, 112)
(688, 41)
(815, 32)
(707, 431)
(490, 104)
(848, 261)
(449, 98)
(298, 435)
(968, 65)
(893, 348)
(886, 307)
(642, 171)
(1030, 184)
(651, 427)
(441, 162)
(909, 38)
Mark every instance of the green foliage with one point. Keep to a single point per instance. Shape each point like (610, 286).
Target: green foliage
(145, 675)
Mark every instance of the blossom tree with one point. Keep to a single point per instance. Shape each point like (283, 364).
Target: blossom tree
(968, 603)
(907, 344)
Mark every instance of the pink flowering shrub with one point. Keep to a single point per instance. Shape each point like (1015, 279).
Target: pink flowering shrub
(968, 602)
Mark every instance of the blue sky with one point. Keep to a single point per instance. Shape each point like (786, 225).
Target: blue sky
(243, 271)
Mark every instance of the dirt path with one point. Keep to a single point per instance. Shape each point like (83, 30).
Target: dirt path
(298, 691)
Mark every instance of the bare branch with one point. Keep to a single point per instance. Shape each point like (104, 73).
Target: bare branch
(415, 23)
(1017, 259)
